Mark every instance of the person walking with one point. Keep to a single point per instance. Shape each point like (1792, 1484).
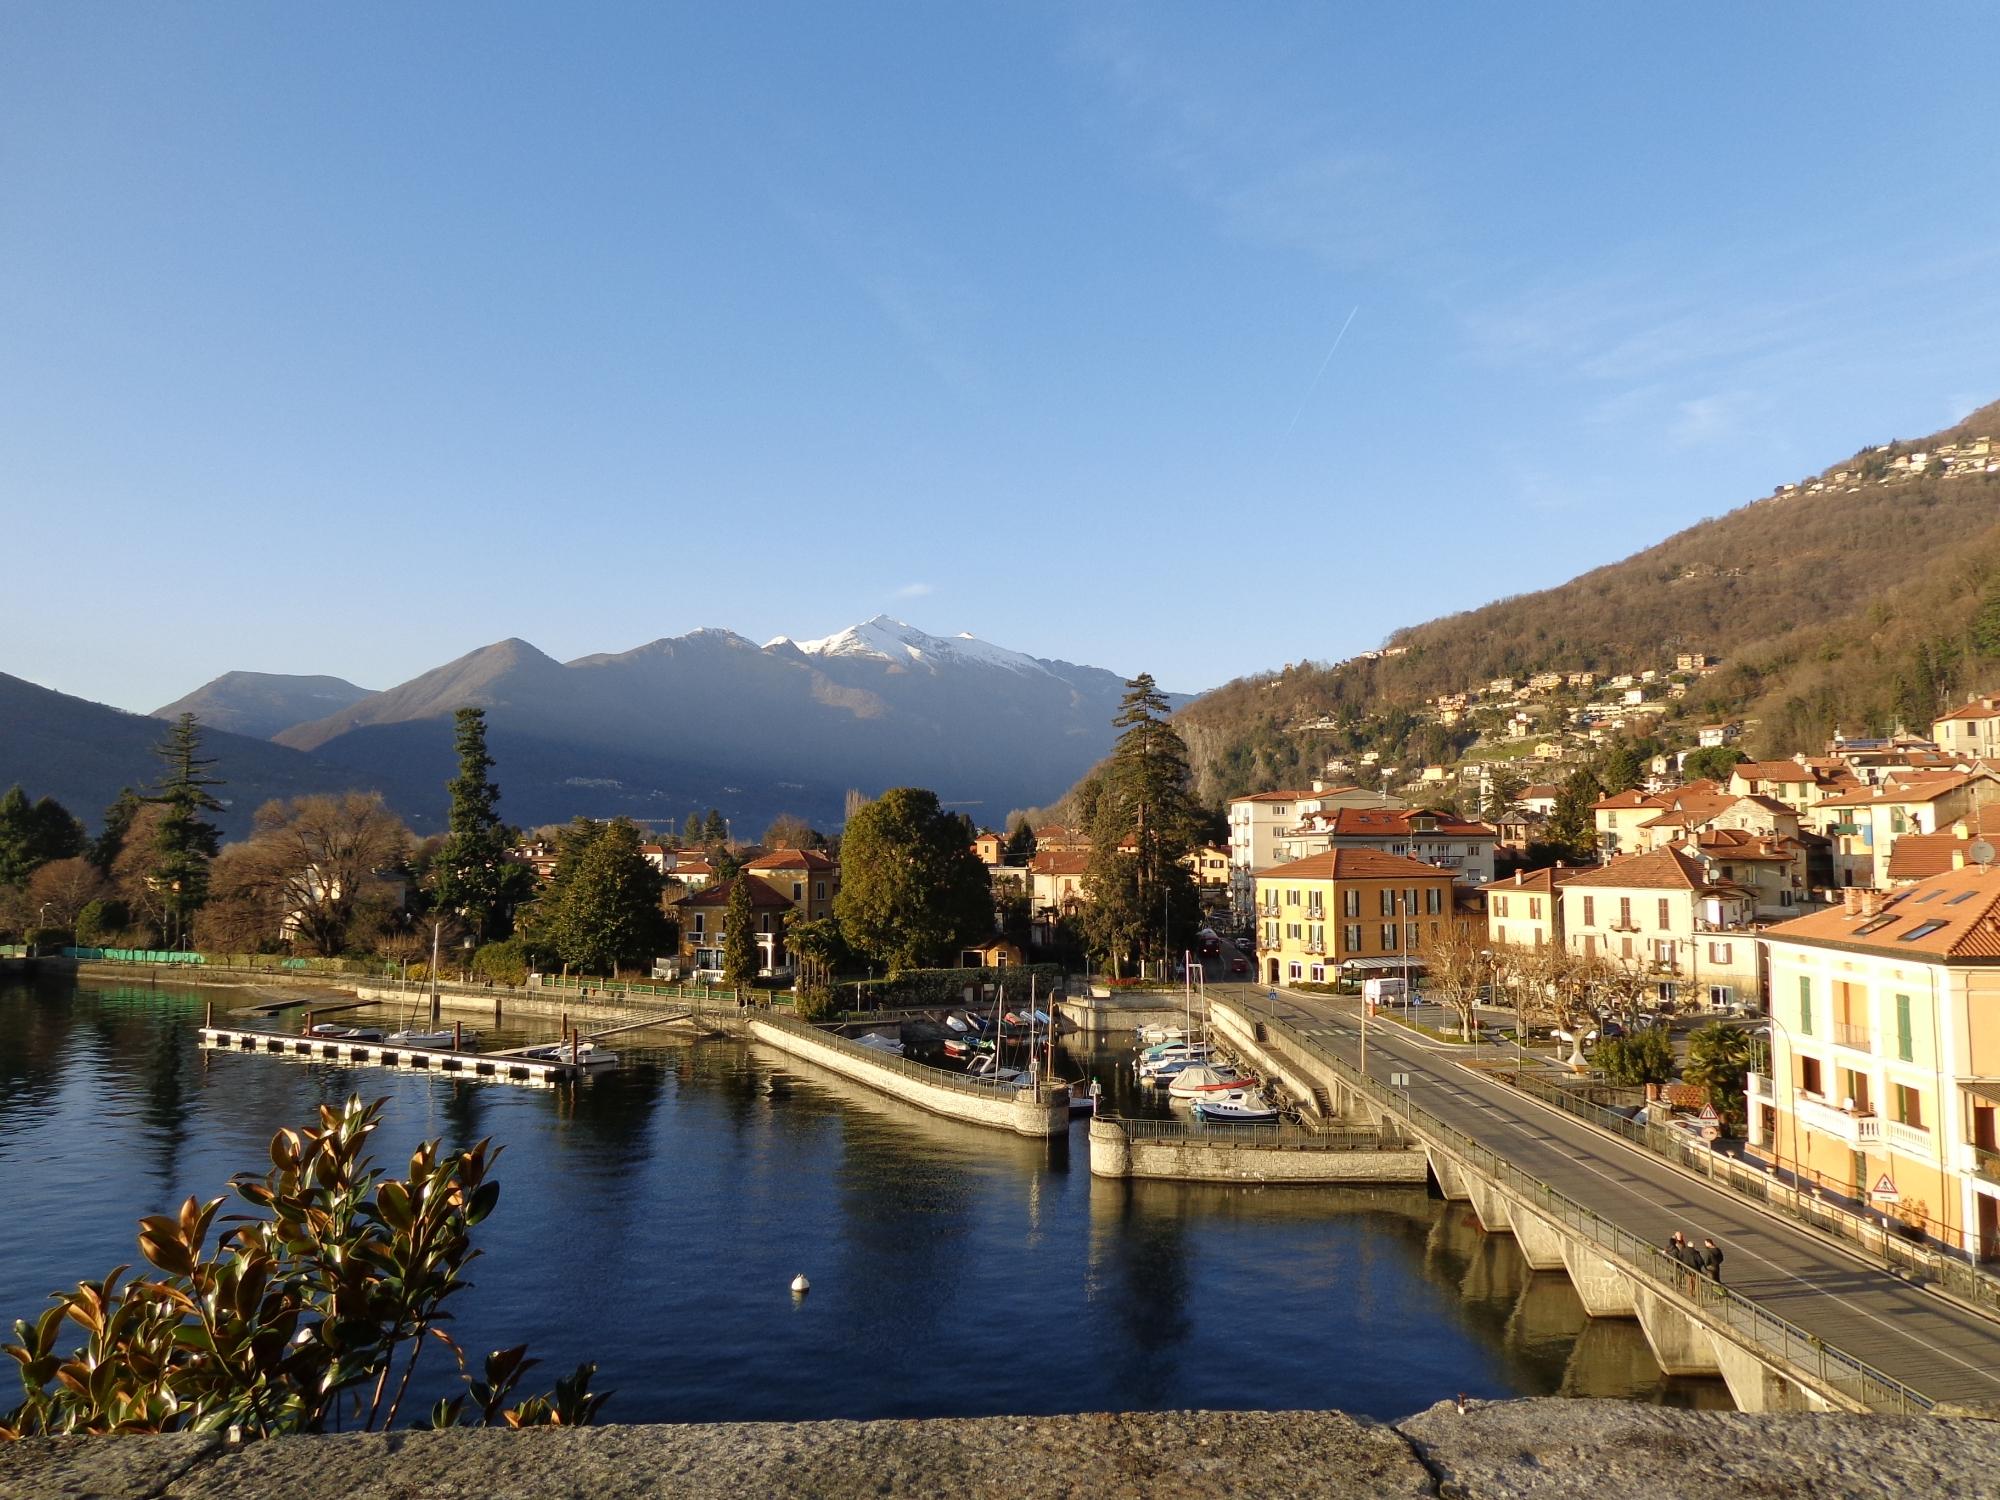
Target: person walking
(1711, 1260)
(1686, 1258)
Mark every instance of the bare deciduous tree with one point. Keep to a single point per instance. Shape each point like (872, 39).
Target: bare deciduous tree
(64, 887)
(1460, 971)
(312, 865)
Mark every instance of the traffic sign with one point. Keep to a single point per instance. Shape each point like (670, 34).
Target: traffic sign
(1399, 1080)
(1708, 1116)
(1270, 994)
(1884, 1190)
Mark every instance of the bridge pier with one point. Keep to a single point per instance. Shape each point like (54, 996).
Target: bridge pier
(1540, 1241)
(1491, 1206)
(1679, 1343)
(1604, 1290)
(1452, 1182)
(1755, 1386)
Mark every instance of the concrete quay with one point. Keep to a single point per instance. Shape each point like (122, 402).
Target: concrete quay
(1168, 1151)
(1548, 1449)
(1039, 1111)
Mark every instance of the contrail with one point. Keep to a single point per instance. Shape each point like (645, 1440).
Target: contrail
(1321, 371)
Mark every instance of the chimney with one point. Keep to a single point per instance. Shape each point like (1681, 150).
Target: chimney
(1871, 903)
(1850, 899)
(1958, 859)
(1517, 877)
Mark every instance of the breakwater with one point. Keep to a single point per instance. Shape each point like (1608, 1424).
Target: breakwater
(1170, 1151)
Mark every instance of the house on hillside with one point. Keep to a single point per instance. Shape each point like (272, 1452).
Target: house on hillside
(1866, 822)
(1525, 910)
(1664, 915)
(1443, 840)
(1973, 729)
(1055, 892)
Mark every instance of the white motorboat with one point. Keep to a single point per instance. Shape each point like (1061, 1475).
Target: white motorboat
(327, 1031)
(955, 1023)
(1207, 1078)
(987, 1068)
(1251, 1108)
(579, 1054)
(436, 1040)
(876, 1042)
(1155, 1035)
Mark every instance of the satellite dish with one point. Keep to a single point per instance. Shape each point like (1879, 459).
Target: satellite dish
(1980, 853)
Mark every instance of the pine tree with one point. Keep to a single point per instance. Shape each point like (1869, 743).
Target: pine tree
(184, 841)
(601, 908)
(715, 828)
(1146, 822)
(34, 834)
(1020, 844)
(471, 874)
(691, 830)
(739, 941)
(1572, 827)
(118, 819)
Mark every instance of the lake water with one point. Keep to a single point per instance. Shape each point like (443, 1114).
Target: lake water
(652, 1218)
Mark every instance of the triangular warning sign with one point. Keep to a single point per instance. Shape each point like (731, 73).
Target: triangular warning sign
(1885, 1187)
(1708, 1113)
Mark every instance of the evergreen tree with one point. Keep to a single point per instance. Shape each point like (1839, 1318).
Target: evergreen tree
(471, 874)
(118, 819)
(1020, 844)
(1572, 828)
(184, 841)
(33, 834)
(691, 830)
(1503, 790)
(1146, 822)
(739, 941)
(601, 908)
(1624, 768)
(1710, 763)
(912, 891)
(715, 829)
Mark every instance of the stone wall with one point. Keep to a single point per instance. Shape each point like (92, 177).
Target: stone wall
(1115, 1153)
(1524, 1450)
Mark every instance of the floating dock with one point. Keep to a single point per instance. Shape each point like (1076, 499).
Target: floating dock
(502, 1067)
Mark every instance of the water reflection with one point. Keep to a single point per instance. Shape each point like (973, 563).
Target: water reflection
(652, 1219)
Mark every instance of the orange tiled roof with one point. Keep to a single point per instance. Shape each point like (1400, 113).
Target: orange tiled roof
(1926, 788)
(1395, 822)
(1354, 864)
(762, 893)
(1059, 862)
(1980, 708)
(1281, 796)
(1624, 801)
(1947, 917)
(1542, 882)
(1659, 869)
(1773, 770)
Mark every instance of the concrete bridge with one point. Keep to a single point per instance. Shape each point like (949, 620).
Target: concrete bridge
(1693, 1326)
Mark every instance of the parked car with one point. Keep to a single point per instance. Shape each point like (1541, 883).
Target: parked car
(1239, 966)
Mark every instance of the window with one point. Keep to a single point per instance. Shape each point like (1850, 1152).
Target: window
(1718, 953)
(1805, 1004)
(1388, 902)
(1809, 1079)
(1291, 898)
(1534, 908)
(1350, 938)
(1666, 914)
(698, 929)
(1294, 970)
(1350, 903)
(1904, 1048)
(1292, 931)
(1319, 974)
(1921, 930)
(1909, 1106)
(819, 890)
(1590, 911)
(1720, 996)
(1874, 924)
(798, 890)
(1389, 937)
(1433, 902)
(1499, 906)
(1625, 911)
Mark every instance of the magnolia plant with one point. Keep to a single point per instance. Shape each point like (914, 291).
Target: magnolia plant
(310, 1312)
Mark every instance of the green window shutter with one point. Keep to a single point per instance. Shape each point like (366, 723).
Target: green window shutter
(1903, 1048)
(1805, 1004)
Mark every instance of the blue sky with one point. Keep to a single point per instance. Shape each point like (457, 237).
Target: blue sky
(348, 339)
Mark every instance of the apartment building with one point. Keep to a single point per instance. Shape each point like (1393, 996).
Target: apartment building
(810, 878)
(1865, 822)
(1460, 845)
(1356, 910)
(1972, 730)
(1525, 910)
(1665, 914)
(1884, 1078)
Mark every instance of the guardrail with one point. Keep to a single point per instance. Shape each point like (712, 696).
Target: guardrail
(1960, 1278)
(1780, 1340)
(1270, 1137)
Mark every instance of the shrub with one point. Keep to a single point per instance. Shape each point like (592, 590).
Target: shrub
(503, 963)
(100, 921)
(308, 1312)
(1646, 1056)
(813, 1003)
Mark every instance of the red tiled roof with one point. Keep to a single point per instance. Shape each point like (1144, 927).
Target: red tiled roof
(791, 859)
(762, 893)
(1658, 869)
(1059, 862)
(1543, 882)
(1624, 801)
(1982, 708)
(1395, 822)
(1773, 770)
(1926, 788)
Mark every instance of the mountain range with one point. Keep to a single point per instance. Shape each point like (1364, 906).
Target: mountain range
(709, 719)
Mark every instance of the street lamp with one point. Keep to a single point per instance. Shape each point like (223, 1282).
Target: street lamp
(1791, 1051)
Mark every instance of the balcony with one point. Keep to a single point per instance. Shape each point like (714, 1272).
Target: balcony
(1817, 1115)
(1854, 1038)
(1758, 1089)
(1913, 1139)
(1982, 1161)
(1621, 925)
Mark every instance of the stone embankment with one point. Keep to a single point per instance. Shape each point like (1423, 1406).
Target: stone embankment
(1167, 1151)
(1510, 1450)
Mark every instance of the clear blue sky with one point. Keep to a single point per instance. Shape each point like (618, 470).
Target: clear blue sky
(347, 339)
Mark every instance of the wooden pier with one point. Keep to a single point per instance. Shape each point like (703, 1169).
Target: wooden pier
(502, 1067)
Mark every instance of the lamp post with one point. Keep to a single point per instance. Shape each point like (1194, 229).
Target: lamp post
(1791, 1050)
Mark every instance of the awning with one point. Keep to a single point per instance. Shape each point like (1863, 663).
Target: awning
(1990, 1092)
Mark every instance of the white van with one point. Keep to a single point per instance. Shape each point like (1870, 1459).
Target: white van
(1385, 992)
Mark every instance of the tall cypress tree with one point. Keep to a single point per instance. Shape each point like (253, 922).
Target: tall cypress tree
(471, 874)
(739, 941)
(185, 841)
(1145, 823)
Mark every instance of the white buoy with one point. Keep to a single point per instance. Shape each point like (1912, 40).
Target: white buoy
(800, 1286)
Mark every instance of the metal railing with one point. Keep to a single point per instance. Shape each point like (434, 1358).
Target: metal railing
(1269, 1137)
(1856, 1038)
(1961, 1278)
(1777, 1339)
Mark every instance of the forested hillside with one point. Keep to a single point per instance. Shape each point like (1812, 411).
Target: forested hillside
(1855, 606)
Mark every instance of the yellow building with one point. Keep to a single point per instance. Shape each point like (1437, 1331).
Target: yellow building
(1525, 910)
(1884, 1079)
(1357, 908)
(810, 878)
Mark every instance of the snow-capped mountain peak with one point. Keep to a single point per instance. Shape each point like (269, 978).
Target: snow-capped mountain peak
(896, 641)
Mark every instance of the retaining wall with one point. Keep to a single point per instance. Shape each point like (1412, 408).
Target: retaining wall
(1193, 1158)
(1042, 1111)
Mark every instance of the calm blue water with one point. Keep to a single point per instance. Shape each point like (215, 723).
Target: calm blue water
(653, 1218)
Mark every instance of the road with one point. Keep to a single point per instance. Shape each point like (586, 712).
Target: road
(1947, 1352)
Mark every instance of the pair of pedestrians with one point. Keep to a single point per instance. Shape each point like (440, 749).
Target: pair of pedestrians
(1696, 1262)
